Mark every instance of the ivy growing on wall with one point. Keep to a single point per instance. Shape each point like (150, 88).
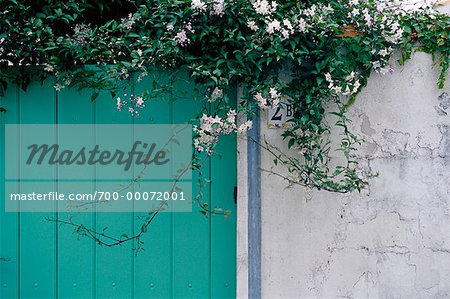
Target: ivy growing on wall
(328, 49)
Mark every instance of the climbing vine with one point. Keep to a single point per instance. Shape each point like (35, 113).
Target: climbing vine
(310, 54)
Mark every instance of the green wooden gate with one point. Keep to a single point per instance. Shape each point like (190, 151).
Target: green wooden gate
(186, 254)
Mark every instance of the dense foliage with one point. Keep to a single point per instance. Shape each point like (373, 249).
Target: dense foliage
(328, 49)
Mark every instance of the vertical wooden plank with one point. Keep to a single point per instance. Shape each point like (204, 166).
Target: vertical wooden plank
(223, 230)
(76, 256)
(9, 238)
(191, 231)
(38, 250)
(153, 265)
(114, 277)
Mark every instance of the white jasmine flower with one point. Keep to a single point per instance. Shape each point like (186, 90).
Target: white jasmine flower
(198, 5)
(263, 7)
(311, 11)
(139, 102)
(216, 94)
(218, 8)
(274, 93)
(260, 100)
(366, 16)
(350, 77)
(302, 25)
(285, 33)
(231, 116)
(337, 89)
(288, 24)
(383, 52)
(355, 12)
(188, 27)
(59, 87)
(181, 38)
(49, 68)
(119, 104)
(245, 127)
(252, 25)
(273, 26)
(211, 128)
(347, 91)
(356, 86)
(376, 64)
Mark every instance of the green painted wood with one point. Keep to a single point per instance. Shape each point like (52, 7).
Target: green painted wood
(223, 229)
(38, 250)
(9, 222)
(114, 276)
(153, 266)
(187, 255)
(75, 256)
(191, 231)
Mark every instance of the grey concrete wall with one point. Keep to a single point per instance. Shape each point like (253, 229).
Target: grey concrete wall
(393, 239)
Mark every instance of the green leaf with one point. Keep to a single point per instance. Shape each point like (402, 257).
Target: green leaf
(94, 96)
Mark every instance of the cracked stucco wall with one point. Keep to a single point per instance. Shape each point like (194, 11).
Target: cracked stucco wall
(392, 240)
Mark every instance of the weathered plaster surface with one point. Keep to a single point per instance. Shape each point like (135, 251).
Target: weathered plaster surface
(392, 240)
(242, 224)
